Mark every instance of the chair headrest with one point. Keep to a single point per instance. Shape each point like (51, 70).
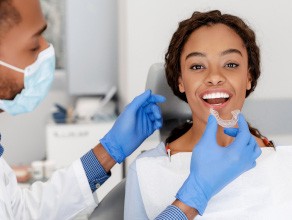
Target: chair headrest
(173, 108)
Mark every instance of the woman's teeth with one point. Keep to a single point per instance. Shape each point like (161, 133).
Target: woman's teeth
(216, 98)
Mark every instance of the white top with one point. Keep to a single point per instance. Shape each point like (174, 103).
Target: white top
(65, 196)
(264, 192)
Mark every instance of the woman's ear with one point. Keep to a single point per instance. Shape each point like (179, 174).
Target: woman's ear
(248, 81)
(181, 85)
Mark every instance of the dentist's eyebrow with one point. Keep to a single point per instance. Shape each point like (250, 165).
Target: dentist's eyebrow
(229, 51)
(39, 32)
(195, 54)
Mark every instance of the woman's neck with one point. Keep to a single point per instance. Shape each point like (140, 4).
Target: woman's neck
(187, 141)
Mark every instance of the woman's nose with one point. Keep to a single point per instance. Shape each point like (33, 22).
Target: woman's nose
(215, 78)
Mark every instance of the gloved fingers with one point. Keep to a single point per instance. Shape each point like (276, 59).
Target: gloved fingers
(146, 125)
(232, 132)
(140, 100)
(150, 127)
(154, 99)
(155, 110)
(211, 129)
(252, 150)
(256, 148)
(257, 152)
(151, 117)
(253, 165)
(251, 146)
(155, 116)
(158, 124)
(243, 136)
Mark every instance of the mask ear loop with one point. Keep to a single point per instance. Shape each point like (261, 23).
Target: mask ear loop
(11, 67)
(229, 123)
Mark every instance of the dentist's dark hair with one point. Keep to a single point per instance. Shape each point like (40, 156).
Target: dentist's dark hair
(181, 36)
(9, 16)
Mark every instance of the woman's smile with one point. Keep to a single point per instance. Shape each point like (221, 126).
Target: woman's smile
(216, 98)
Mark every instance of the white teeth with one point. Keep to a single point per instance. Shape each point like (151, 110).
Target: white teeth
(216, 95)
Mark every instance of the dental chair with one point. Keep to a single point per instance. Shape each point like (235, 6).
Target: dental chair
(112, 205)
(174, 112)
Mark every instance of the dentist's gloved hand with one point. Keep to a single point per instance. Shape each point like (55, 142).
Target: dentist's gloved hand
(213, 166)
(136, 123)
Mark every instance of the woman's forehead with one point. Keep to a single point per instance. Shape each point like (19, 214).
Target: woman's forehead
(213, 39)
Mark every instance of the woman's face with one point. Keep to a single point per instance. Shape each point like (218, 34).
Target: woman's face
(214, 71)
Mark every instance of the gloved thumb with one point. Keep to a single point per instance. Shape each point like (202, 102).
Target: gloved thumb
(140, 100)
(232, 132)
(243, 134)
(211, 128)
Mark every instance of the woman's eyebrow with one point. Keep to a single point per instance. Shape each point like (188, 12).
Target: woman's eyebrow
(229, 51)
(196, 54)
(225, 52)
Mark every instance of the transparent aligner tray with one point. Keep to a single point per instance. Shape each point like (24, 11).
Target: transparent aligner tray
(229, 123)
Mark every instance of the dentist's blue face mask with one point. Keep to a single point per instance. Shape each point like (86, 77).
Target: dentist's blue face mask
(38, 78)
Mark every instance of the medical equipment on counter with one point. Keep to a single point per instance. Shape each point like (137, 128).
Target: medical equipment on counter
(22, 173)
(37, 170)
(226, 123)
(60, 115)
(49, 168)
(42, 170)
(96, 108)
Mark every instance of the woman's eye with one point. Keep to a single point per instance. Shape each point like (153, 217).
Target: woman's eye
(232, 65)
(197, 67)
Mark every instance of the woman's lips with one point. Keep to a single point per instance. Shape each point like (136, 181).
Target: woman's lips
(216, 99)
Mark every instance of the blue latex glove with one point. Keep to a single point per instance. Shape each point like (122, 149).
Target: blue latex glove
(136, 123)
(213, 166)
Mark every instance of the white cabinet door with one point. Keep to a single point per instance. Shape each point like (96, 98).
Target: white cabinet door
(68, 142)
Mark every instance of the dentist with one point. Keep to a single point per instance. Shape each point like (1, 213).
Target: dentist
(27, 64)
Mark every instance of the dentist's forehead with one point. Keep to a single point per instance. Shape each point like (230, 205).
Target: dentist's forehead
(30, 12)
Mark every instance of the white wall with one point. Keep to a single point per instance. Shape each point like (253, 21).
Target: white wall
(146, 27)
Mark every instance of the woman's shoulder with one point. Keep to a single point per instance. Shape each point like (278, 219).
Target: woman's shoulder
(284, 148)
(158, 151)
(285, 151)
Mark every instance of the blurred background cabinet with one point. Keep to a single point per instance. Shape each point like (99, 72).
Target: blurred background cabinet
(68, 142)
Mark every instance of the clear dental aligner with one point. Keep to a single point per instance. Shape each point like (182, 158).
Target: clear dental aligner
(229, 123)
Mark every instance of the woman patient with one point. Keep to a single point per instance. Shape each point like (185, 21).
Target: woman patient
(213, 62)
